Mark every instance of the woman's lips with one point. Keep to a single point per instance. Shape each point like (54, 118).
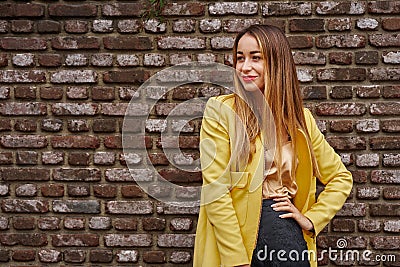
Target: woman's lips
(249, 78)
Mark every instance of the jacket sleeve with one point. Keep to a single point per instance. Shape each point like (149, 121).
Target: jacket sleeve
(215, 156)
(333, 174)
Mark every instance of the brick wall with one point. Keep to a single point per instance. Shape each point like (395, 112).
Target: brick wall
(68, 70)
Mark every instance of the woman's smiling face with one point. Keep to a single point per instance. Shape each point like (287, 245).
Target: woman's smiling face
(250, 63)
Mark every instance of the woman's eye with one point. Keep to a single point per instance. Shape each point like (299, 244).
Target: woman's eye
(240, 58)
(256, 57)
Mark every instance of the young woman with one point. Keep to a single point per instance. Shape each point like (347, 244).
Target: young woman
(260, 164)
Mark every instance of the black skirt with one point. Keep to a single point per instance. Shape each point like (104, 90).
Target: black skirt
(280, 241)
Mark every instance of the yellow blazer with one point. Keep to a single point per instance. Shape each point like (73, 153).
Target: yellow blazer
(231, 201)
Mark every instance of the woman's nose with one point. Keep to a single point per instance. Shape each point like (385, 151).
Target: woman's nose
(247, 65)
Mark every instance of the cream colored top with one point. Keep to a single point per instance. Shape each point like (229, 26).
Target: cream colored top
(284, 185)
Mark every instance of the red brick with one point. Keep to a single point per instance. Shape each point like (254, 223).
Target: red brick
(127, 240)
(153, 224)
(306, 25)
(387, 209)
(75, 240)
(385, 142)
(24, 206)
(128, 43)
(385, 242)
(25, 125)
(353, 242)
(6, 157)
(384, 7)
(391, 126)
(75, 109)
(74, 223)
(343, 225)
(384, 39)
(103, 255)
(76, 26)
(339, 24)
(298, 42)
(82, 10)
(132, 191)
(391, 24)
(125, 224)
(24, 255)
(184, 9)
(309, 58)
(340, 41)
(154, 256)
(341, 7)
(49, 223)
(77, 174)
(180, 176)
(22, 76)
(391, 193)
(340, 109)
(48, 26)
(79, 159)
(344, 126)
(52, 190)
(22, 26)
(176, 240)
(21, 43)
(21, 10)
(105, 191)
(76, 141)
(340, 58)
(24, 223)
(51, 92)
(133, 76)
(385, 176)
(3, 60)
(341, 74)
(286, 8)
(27, 157)
(25, 92)
(347, 143)
(122, 9)
(391, 91)
(78, 190)
(23, 239)
(367, 57)
(103, 93)
(341, 92)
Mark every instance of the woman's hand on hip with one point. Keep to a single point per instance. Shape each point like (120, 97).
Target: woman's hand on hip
(284, 204)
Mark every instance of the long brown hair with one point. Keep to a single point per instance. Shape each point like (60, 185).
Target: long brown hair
(281, 93)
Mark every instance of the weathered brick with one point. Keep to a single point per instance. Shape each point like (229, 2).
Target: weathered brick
(76, 206)
(367, 126)
(131, 191)
(309, 58)
(154, 60)
(347, 143)
(25, 125)
(177, 209)
(391, 226)
(385, 108)
(385, 142)
(104, 158)
(391, 193)
(341, 74)
(75, 109)
(22, 26)
(339, 24)
(343, 225)
(391, 160)
(391, 57)
(126, 224)
(181, 224)
(73, 43)
(366, 57)
(184, 9)
(367, 24)
(391, 126)
(385, 242)
(367, 160)
(129, 26)
(385, 176)
(122, 9)
(24, 206)
(154, 26)
(222, 42)
(340, 109)
(181, 42)
(49, 223)
(359, 176)
(76, 60)
(78, 191)
(180, 176)
(175, 240)
(74, 76)
(180, 58)
(51, 125)
(127, 240)
(102, 26)
(76, 26)
(103, 256)
(76, 141)
(52, 157)
(340, 58)
(180, 257)
(383, 7)
(22, 43)
(102, 60)
(64, 10)
(384, 39)
(368, 193)
(129, 207)
(100, 223)
(75, 240)
(341, 7)
(183, 141)
(75, 92)
(22, 76)
(23, 60)
(4, 26)
(369, 225)
(340, 41)
(187, 25)
(127, 256)
(50, 255)
(26, 157)
(26, 190)
(286, 8)
(23, 141)
(74, 223)
(77, 174)
(127, 60)
(6, 158)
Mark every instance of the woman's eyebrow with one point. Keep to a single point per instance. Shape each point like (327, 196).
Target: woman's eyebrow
(251, 52)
